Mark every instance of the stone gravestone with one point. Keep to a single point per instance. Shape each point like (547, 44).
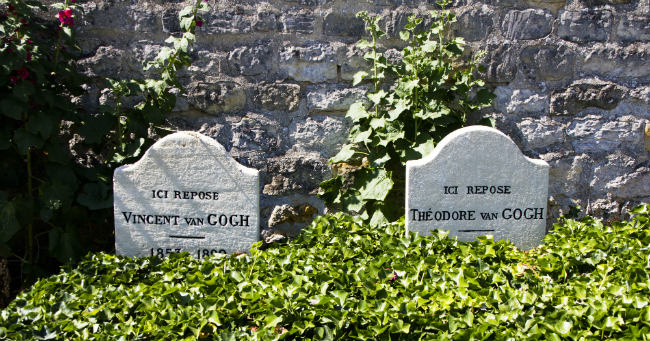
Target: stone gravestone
(185, 194)
(477, 182)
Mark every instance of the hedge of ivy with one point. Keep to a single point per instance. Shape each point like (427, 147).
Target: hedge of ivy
(342, 280)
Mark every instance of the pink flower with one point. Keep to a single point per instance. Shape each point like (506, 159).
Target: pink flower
(13, 79)
(23, 73)
(65, 17)
(199, 23)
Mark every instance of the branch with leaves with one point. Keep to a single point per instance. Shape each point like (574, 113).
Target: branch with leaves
(434, 90)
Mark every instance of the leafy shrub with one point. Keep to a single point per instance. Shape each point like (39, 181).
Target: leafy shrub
(342, 279)
(53, 208)
(434, 89)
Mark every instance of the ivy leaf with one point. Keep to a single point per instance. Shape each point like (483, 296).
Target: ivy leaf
(485, 97)
(95, 196)
(42, 123)
(404, 35)
(357, 111)
(377, 96)
(25, 140)
(426, 147)
(345, 154)
(95, 128)
(329, 189)
(11, 108)
(361, 136)
(358, 77)
(400, 106)
(376, 185)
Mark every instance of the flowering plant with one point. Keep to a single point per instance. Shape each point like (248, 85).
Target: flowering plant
(54, 208)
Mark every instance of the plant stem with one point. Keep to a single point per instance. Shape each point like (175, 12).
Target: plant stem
(29, 250)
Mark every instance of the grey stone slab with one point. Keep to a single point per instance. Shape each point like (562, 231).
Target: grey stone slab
(185, 194)
(477, 182)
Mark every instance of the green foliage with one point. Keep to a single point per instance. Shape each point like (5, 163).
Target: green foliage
(433, 91)
(345, 280)
(54, 208)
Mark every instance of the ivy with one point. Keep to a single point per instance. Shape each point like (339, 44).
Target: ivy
(345, 280)
(434, 89)
(56, 207)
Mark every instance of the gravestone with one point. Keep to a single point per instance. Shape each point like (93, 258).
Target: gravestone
(477, 182)
(186, 193)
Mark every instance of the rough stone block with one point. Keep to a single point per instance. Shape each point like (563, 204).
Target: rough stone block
(312, 62)
(250, 60)
(519, 101)
(232, 20)
(332, 98)
(585, 25)
(474, 23)
(170, 23)
(266, 21)
(633, 28)
(501, 63)
(343, 25)
(217, 98)
(549, 62)
(527, 24)
(586, 93)
(321, 133)
(541, 133)
(615, 61)
(300, 22)
(258, 134)
(278, 96)
(593, 135)
(476, 182)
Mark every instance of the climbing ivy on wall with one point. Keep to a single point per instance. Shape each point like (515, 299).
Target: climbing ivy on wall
(413, 104)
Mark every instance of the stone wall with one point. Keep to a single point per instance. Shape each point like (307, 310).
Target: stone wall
(271, 81)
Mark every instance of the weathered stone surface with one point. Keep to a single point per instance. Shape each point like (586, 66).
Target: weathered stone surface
(549, 62)
(300, 22)
(185, 194)
(475, 23)
(592, 134)
(332, 98)
(343, 24)
(217, 98)
(266, 20)
(278, 96)
(312, 62)
(262, 72)
(284, 217)
(228, 20)
(585, 25)
(476, 182)
(249, 60)
(584, 94)
(108, 61)
(519, 101)
(614, 61)
(541, 133)
(170, 23)
(257, 133)
(526, 24)
(501, 63)
(633, 28)
(321, 133)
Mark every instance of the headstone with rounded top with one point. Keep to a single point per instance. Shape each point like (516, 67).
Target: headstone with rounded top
(477, 182)
(186, 193)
